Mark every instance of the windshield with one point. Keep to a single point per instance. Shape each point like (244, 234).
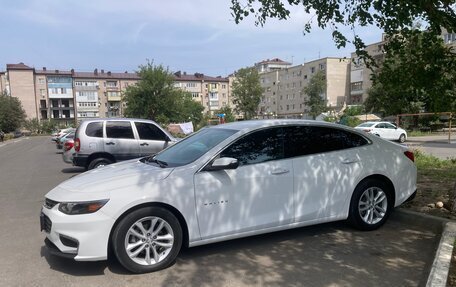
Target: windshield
(366, 125)
(192, 147)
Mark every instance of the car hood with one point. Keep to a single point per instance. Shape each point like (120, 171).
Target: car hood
(98, 183)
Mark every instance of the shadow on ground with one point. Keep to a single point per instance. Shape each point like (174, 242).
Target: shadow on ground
(323, 255)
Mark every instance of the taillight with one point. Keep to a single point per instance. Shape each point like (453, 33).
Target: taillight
(77, 145)
(410, 155)
(68, 145)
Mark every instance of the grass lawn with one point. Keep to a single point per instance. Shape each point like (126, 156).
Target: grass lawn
(436, 181)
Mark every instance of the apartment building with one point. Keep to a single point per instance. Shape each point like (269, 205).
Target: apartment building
(360, 75)
(70, 96)
(283, 95)
(271, 65)
(212, 92)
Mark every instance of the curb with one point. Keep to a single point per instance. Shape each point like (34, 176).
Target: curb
(438, 274)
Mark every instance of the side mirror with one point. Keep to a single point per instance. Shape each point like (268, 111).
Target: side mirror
(222, 164)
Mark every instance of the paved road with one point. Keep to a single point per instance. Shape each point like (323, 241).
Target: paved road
(324, 255)
(436, 145)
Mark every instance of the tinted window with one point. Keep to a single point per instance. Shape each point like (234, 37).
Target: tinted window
(119, 130)
(380, 126)
(193, 147)
(390, 126)
(257, 147)
(150, 132)
(95, 130)
(304, 140)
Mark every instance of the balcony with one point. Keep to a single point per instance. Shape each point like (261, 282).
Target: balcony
(114, 98)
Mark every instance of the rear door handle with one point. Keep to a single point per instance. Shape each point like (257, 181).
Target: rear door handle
(110, 143)
(143, 144)
(350, 160)
(280, 171)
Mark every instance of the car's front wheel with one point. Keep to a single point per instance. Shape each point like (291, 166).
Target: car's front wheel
(371, 204)
(147, 239)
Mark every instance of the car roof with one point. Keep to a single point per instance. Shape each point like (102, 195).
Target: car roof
(255, 124)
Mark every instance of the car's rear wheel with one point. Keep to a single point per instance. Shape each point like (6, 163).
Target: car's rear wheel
(147, 239)
(402, 138)
(371, 204)
(98, 162)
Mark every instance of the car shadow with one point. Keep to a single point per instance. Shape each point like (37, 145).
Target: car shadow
(73, 170)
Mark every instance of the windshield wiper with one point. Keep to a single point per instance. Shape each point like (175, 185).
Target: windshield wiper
(161, 163)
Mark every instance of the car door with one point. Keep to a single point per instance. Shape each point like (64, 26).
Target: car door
(256, 195)
(120, 140)
(326, 165)
(151, 138)
(393, 133)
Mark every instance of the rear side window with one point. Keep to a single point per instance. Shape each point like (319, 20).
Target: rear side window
(119, 130)
(150, 132)
(257, 147)
(305, 140)
(95, 130)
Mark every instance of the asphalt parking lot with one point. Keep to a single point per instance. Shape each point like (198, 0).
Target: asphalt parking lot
(399, 254)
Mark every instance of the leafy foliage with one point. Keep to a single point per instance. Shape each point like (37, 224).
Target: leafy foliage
(229, 115)
(391, 16)
(40, 127)
(155, 97)
(418, 75)
(247, 92)
(315, 91)
(12, 115)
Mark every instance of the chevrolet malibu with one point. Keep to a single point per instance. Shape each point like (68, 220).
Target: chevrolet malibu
(225, 182)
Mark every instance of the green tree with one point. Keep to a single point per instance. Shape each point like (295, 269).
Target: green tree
(247, 92)
(155, 97)
(393, 16)
(12, 115)
(229, 115)
(315, 91)
(419, 75)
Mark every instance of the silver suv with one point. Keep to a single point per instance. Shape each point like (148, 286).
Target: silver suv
(103, 141)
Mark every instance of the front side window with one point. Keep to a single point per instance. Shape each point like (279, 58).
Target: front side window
(119, 130)
(257, 147)
(193, 147)
(150, 132)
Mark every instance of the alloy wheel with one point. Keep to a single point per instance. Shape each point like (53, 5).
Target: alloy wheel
(149, 240)
(373, 205)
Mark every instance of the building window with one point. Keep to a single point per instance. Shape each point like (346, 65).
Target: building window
(312, 70)
(305, 77)
(357, 86)
(322, 66)
(223, 86)
(111, 84)
(41, 81)
(191, 85)
(43, 92)
(195, 95)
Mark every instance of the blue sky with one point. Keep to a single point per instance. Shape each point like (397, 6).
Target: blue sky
(187, 35)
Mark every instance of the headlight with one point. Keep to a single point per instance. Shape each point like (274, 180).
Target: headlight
(81, 207)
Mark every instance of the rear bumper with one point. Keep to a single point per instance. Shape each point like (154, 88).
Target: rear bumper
(80, 159)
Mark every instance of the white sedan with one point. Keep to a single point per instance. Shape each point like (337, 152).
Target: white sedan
(225, 182)
(384, 130)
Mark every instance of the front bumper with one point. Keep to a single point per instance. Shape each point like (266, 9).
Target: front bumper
(82, 237)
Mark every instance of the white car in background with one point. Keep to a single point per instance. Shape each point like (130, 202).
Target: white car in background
(384, 130)
(225, 182)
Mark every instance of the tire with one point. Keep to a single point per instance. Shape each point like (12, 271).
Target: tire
(148, 252)
(402, 138)
(98, 162)
(364, 215)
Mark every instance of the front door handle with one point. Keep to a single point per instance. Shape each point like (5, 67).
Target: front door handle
(350, 160)
(110, 143)
(280, 171)
(143, 144)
